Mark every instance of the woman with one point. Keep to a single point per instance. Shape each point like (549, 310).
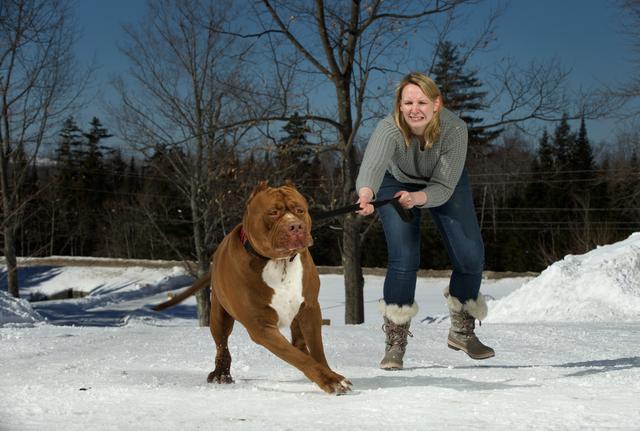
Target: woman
(418, 154)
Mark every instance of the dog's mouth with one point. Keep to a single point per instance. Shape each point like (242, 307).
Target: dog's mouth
(292, 238)
(293, 244)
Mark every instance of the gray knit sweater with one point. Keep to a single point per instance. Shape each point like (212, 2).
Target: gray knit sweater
(438, 168)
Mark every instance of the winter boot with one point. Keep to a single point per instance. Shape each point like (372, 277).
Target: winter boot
(396, 328)
(462, 335)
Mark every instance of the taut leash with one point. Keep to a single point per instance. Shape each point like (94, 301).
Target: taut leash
(405, 214)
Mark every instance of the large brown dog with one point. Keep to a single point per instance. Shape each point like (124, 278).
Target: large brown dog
(264, 277)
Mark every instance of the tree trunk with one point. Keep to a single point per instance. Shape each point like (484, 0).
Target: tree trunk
(351, 259)
(204, 306)
(11, 262)
(351, 251)
(203, 299)
(9, 221)
(353, 278)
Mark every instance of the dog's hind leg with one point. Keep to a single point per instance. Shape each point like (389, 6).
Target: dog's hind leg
(221, 325)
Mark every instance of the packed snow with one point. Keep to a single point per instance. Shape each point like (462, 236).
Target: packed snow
(566, 344)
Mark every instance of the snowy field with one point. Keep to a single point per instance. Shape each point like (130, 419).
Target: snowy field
(567, 357)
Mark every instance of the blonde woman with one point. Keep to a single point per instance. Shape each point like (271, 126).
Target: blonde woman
(418, 155)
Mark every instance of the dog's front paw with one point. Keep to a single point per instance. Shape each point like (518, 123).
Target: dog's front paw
(334, 383)
(342, 387)
(219, 377)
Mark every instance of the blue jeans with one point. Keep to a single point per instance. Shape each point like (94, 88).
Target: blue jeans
(458, 225)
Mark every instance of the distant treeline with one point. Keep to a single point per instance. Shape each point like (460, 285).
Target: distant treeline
(535, 202)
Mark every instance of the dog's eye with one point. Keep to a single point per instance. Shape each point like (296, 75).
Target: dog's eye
(274, 213)
(299, 210)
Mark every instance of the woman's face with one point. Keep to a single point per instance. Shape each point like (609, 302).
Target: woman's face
(417, 109)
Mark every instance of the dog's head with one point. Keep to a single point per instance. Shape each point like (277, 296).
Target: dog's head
(276, 221)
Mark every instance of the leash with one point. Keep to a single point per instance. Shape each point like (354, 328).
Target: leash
(405, 214)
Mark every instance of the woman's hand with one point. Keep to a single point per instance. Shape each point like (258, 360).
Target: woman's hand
(365, 196)
(411, 199)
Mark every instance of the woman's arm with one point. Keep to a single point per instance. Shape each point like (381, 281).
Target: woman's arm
(449, 167)
(377, 155)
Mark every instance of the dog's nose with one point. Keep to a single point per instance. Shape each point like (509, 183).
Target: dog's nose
(295, 227)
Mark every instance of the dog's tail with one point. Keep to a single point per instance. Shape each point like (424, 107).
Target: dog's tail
(197, 285)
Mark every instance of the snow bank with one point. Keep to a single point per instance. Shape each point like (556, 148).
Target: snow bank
(601, 285)
(94, 280)
(16, 311)
(106, 289)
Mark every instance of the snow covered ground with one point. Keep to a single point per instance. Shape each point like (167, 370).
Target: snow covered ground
(567, 357)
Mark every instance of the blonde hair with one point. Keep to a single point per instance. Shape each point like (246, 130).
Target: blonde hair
(431, 90)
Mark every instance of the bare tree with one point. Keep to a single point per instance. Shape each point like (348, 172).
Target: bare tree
(354, 48)
(351, 47)
(539, 91)
(38, 84)
(191, 95)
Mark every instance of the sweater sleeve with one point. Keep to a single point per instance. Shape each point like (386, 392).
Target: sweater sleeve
(449, 167)
(377, 156)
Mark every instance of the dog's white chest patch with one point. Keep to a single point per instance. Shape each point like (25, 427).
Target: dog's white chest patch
(285, 278)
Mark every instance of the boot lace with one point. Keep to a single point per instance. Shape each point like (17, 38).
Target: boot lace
(396, 334)
(468, 325)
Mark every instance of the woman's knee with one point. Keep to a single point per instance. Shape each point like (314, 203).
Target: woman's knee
(404, 263)
(470, 260)
(403, 243)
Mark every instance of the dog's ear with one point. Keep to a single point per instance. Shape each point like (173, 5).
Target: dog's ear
(262, 185)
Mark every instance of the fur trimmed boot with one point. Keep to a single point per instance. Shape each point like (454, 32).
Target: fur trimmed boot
(396, 328)
(463, 317)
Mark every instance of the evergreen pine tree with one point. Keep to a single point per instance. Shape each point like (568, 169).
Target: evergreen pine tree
(576, 191)
(540, 193)
(544, 161)
(294, 148)
(539, 190)
(66, 155)
(563, 142)
(164, 206)
(582, 154)
(462, 93)
(64, 205)
(132, 180)
(116, 169)
(586, 184)
(93, 163)
(92, 187)
(561, 191)
(70, 139)
(295, 158)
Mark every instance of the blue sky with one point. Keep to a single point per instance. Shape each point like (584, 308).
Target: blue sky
(585, 35)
